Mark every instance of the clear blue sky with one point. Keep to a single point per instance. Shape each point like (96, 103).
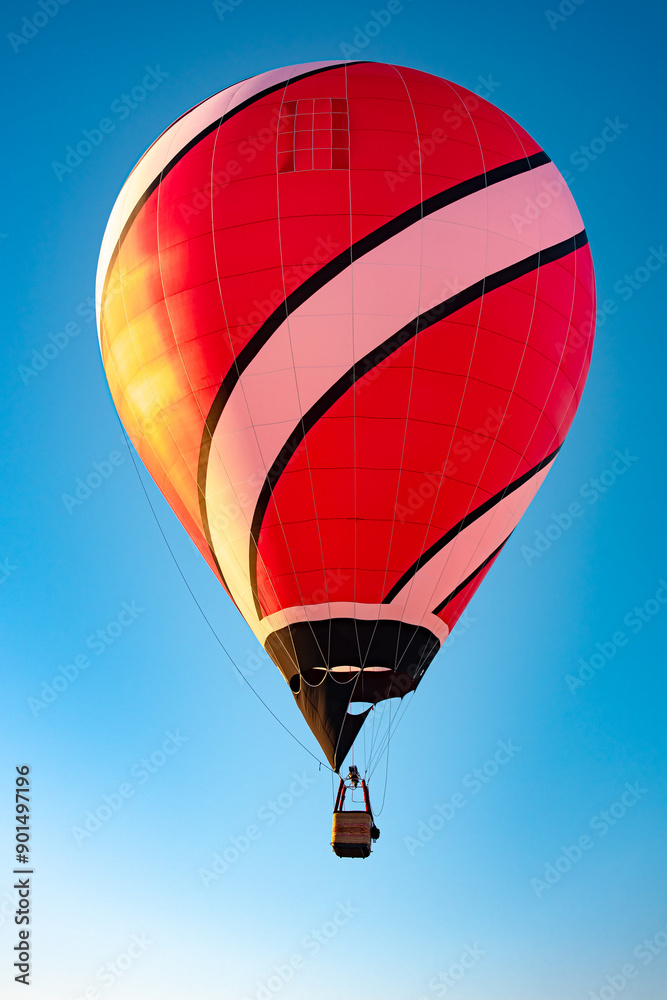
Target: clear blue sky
(133, 894)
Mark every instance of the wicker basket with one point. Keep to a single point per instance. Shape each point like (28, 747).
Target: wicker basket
(351, 834)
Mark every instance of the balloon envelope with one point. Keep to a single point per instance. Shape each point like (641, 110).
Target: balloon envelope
(345, 312)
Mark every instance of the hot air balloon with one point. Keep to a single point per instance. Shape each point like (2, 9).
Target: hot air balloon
(345, 313)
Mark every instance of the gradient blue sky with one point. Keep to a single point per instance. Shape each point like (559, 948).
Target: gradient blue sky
(408, 913)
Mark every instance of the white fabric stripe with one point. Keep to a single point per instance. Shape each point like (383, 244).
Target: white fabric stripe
(350, 609)
(356, 311)
(163, 150)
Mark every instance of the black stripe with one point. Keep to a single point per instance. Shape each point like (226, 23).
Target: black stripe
(374, 358)
(334, 267)
(468, 579)
(471, 516)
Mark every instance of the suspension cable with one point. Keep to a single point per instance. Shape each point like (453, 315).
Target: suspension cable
(203, 613)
